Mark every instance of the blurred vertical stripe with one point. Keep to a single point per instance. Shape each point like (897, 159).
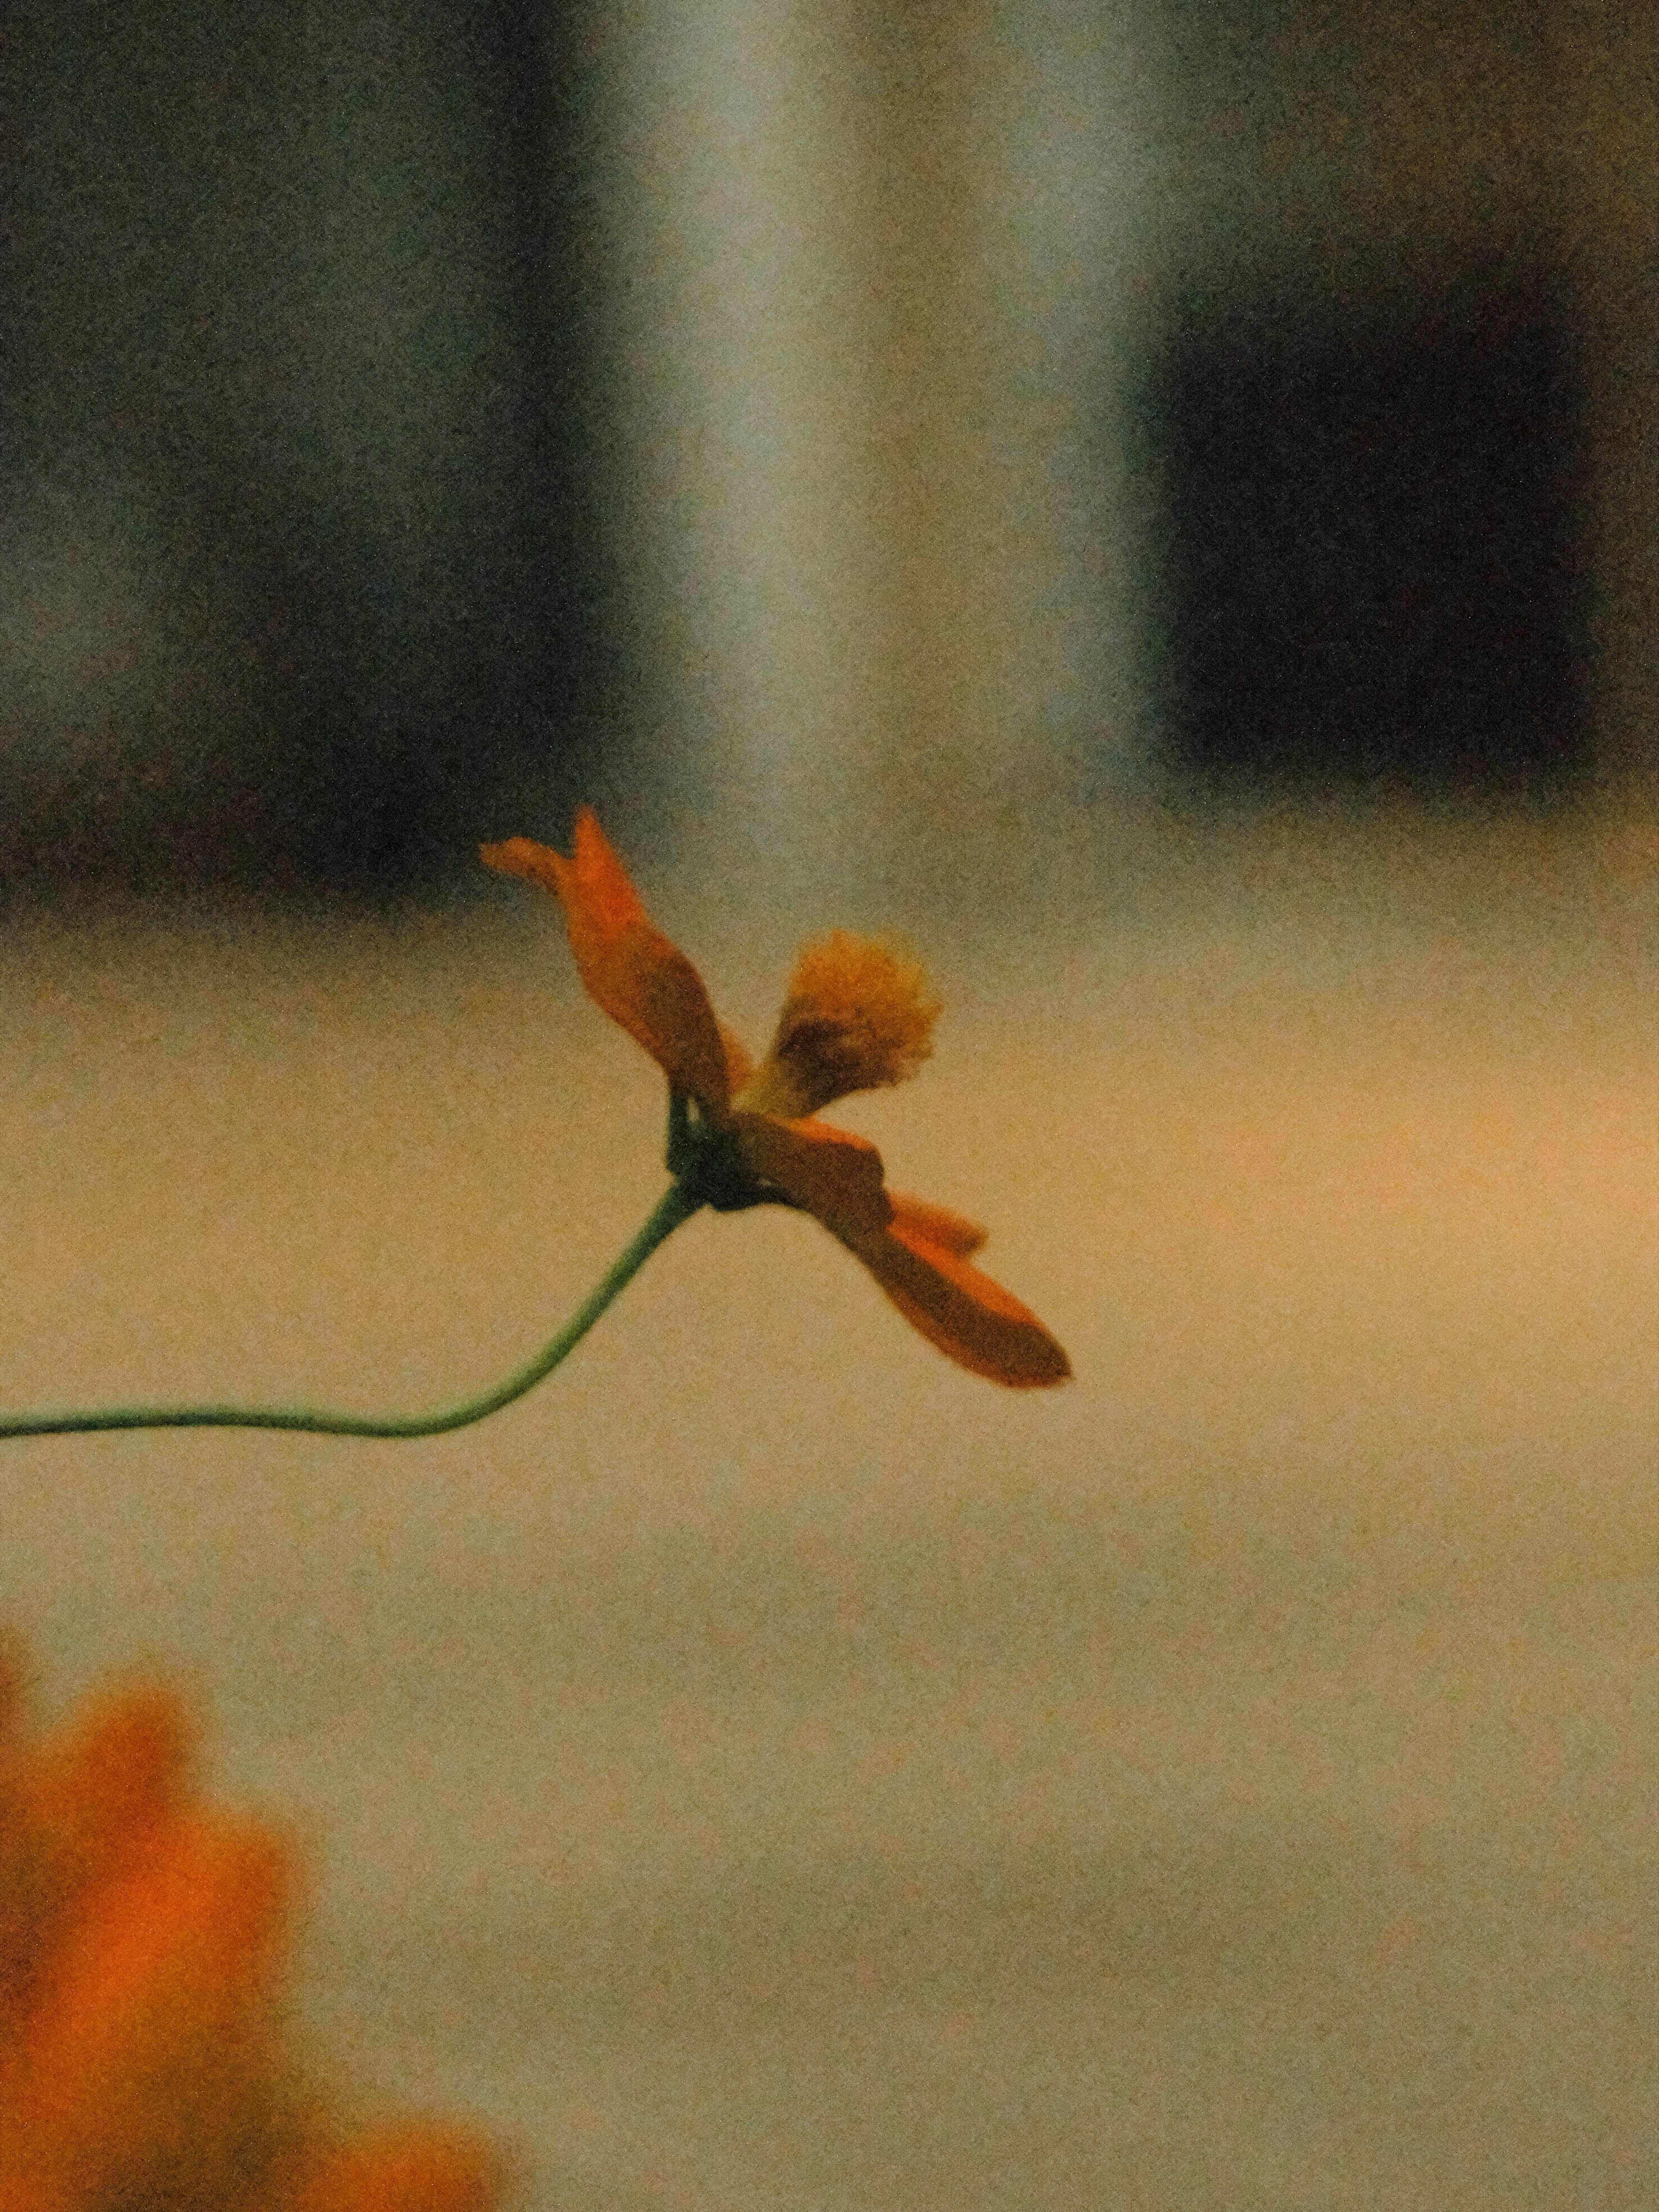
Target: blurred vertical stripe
(877, 539)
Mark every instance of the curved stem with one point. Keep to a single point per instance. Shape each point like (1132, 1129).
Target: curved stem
(677, 1205)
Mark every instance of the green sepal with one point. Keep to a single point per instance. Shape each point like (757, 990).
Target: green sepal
(709, 1164)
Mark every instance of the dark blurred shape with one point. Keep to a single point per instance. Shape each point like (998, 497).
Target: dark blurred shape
(1371, 573)
(298, 500)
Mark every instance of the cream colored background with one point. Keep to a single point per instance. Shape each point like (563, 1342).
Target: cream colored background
(768, 1769)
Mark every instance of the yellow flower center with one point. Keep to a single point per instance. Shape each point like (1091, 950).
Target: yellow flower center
(857, 1018)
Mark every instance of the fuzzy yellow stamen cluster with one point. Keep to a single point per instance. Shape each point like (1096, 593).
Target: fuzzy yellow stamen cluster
(856, 1018)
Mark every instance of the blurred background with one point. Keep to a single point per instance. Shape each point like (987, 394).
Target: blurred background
(963, 416)
(1155, 505)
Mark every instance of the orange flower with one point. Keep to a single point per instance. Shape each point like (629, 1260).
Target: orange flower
(855, 1019)
(140, 2061)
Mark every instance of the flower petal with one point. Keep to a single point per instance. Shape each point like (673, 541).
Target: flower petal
(935, 1225)
(141, 2057)
(963, 1313)
(644, 984)
(407, 2167)
(739, 1067)
(149, 2056)
(828, 1171)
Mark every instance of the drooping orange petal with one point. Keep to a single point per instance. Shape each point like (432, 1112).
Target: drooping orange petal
(936, 1224)
(963, 1313)
(644, 984)
(828, 1171)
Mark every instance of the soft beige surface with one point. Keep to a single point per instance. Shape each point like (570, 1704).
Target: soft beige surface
(767, 1770)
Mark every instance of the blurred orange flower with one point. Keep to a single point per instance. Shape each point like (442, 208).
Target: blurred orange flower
(856, 1017)
(141, 2064)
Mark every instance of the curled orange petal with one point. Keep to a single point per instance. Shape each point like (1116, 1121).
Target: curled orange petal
(829, 1171)
(644, 984)
(963, 1313)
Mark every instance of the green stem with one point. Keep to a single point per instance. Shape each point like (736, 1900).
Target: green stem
(677, 1205)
